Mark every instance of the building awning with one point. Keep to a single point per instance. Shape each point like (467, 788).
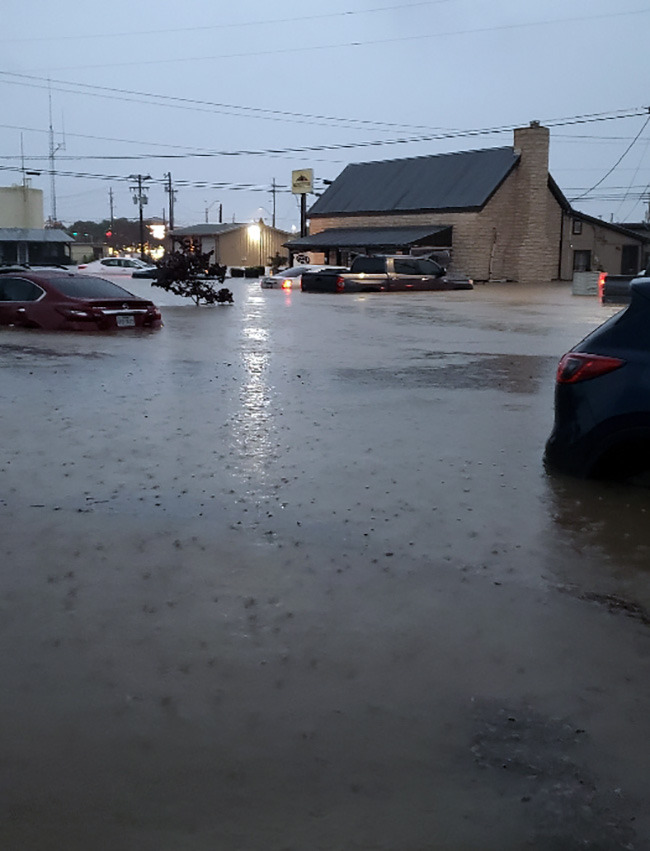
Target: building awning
(34, 235)
(375, 239)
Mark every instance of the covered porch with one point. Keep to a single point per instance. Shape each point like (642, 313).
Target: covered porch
(338, 246)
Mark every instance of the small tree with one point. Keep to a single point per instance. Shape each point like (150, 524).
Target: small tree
(191, 274)
(276, 263)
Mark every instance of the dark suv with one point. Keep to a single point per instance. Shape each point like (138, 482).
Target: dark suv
(602, 397)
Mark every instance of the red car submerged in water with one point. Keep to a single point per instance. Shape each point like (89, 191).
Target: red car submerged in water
(61, 300)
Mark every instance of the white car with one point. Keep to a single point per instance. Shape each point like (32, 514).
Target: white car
(291, 279)
(114, 266)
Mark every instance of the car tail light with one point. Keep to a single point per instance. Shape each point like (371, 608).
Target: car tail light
(82, 266)
(601, 284)
(580, 366)
(340, 284)
(286, 284)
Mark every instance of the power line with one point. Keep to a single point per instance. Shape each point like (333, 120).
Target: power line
(436, 136)
(293, 20)
(370, 143)
(196, 104)
(369, 42)
(619, 160)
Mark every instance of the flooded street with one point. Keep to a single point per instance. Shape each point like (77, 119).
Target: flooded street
(290, 575)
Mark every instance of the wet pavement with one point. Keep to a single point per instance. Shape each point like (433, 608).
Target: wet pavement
(289, 575)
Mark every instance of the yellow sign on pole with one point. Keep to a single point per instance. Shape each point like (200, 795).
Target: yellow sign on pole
(302, 181)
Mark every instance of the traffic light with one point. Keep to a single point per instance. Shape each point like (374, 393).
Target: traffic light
(109, 234)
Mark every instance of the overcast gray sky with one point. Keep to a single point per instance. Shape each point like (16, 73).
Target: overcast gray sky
(146, 87)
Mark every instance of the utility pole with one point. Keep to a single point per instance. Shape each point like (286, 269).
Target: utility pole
(53, 149)
(140, 198)
(110, 203)
(273, 194)
(170, 191)
(303, 214)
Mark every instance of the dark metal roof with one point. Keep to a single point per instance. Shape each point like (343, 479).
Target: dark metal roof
(457, 181)
(34, 235)
(208, 229)
(218, 229)
(377, 237)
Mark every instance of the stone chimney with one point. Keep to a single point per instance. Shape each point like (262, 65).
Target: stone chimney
(537, 260)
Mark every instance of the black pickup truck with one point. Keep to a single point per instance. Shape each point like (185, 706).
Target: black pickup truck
(615, 289)
(382, 273)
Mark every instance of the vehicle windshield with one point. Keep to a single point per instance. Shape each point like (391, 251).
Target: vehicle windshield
(87, 286)
(294, 271)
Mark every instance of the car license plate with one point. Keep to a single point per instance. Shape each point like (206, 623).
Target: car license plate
(125, 321)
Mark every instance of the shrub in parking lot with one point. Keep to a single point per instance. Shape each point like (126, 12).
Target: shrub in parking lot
(191, 274)
(254, 271)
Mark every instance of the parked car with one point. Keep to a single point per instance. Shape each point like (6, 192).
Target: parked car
(110, 266)
(57, 300)
(615, 289)
(602, 397)
(385, 273)
(291, 279)
(148, 272)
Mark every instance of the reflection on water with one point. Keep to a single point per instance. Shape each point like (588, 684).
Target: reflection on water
(253, 425)
(606, 525)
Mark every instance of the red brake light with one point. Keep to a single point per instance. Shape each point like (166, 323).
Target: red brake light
(580, 366)
(286, 284)
(340, 284)
(601, 284)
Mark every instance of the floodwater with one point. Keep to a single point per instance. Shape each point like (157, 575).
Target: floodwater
(290, 575)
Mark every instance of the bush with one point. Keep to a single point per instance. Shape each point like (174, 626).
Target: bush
(236, 273)
(254, 271)
(190, 273)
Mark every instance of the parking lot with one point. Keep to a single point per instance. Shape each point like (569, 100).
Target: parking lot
(289, 574)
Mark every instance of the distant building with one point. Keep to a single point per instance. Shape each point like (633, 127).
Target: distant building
(496, 213)
(236, 244)
(21, 207)
(35, 246)
(23, 237)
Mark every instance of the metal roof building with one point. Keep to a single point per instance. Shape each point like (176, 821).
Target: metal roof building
(497, 212)
(36, 246)
(237, 244)
(459, 181)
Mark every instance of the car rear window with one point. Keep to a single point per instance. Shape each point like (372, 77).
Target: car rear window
(87, 286)
(369, 265)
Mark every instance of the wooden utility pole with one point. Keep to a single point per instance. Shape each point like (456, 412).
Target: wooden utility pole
(140, 198)
(170, 191)
(273, 194)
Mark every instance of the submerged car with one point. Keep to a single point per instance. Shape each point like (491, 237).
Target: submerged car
(58, 300)
(602, 397)
(291, 279)
(115, 266)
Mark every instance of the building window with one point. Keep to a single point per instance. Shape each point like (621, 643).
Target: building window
(577, 226)
(582, 261)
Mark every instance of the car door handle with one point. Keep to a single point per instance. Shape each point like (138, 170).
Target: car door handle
(20, 310)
